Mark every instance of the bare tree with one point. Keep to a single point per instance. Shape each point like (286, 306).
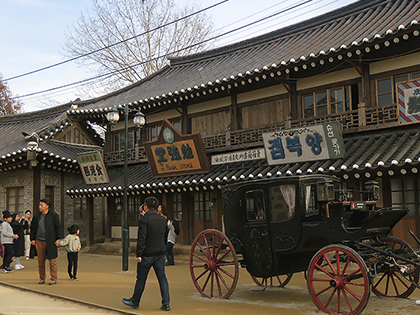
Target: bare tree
(114, 21)
(8, 104)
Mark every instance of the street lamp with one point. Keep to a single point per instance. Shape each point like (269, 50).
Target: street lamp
(139, 120)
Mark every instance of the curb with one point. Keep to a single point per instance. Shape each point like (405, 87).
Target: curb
(98, 306)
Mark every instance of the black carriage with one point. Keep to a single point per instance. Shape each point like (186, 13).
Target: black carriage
(280, 226)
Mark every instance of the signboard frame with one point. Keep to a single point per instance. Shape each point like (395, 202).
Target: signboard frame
(194, 159)
(86, 161)
(307, 143)
(408, 91)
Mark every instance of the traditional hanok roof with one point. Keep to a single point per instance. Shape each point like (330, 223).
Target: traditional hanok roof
(320, 44)
(17, 131)
(375, 154)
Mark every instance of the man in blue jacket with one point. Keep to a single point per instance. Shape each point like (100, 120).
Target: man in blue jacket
(151, 240)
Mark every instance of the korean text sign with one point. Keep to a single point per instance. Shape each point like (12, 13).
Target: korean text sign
(316, 142)
(93, 168)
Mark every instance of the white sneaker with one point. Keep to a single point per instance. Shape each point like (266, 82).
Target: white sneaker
(17, 267)
(27, 258)
(21, 266)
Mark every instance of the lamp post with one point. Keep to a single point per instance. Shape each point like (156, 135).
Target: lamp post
(139, 120)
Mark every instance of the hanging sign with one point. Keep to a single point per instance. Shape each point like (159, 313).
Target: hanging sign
(93, 167)
(316, 142)
(174, 154)
(238, 156)
(408, 102)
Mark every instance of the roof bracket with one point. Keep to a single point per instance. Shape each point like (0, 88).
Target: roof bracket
(287, 86)
(358, 67)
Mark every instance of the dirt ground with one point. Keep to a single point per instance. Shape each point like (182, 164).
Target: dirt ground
(102, 282)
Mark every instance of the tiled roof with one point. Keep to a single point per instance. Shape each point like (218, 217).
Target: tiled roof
(349, 31)
(46, 123)
(364, 153)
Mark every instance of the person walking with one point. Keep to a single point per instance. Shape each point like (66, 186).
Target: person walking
(45, 235)
(26, 222)
(73, 246)
(170, 242)
(151, 239)
(7, 237)
(19, 243)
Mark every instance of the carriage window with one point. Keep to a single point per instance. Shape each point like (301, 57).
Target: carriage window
(310, 200)
(283, 198)
(255, 208)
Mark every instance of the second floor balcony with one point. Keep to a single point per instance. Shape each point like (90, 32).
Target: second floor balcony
(359, 120)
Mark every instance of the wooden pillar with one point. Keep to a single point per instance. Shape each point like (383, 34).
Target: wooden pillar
(185, 124)
(293, 103)
(36, 195)
(90, 221)
(62, 200)
(366, 93)
(234, 121)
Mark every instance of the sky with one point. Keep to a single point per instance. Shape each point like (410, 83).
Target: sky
(32, 36)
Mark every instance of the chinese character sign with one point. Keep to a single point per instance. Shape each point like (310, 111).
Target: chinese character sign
(309, 143)
(408, 102)
(93, 168)
(238, 156)
(175, 156)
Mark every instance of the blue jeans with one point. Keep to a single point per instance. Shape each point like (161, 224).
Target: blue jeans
(158, 264)
(170, 253)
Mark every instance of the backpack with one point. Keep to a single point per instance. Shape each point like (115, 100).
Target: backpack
(175, 223)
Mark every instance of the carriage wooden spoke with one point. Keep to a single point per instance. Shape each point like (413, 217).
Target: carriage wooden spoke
(389, 282)
(213, 264)
(275, 281)
(341, 284)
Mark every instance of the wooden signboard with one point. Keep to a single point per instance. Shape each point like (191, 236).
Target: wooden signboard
(93, 167)
(408, 102)
(174, 154)
(309, 143)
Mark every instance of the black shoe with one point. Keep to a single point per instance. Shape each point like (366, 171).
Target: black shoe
(41, 281)
(128, 302)
(165, 307)
(7, 270)
(75, 279)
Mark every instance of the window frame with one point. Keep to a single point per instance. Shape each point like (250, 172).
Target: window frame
(328, 103)
(410, 76)
(118, 145)
(17, 200)
(204, 212)
(156, 128)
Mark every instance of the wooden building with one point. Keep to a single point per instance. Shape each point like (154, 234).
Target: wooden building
(343, 66)
(38, 160)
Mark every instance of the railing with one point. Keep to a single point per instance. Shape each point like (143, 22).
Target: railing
(351, 121)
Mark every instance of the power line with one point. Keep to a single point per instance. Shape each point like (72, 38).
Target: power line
(115, 44)
(170, 53)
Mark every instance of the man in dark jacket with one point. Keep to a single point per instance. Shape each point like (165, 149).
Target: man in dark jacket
(151, 239)
(45, 235)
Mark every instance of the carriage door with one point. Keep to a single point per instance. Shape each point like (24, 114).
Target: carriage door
(285, 226)
(256, 234)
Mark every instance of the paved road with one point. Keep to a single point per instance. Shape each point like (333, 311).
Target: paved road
(102, 282)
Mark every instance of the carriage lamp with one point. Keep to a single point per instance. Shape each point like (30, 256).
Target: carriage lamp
(372, 188)
(139, 120)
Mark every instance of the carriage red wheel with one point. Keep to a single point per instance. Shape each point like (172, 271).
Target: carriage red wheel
(389, 282)
(213, 264)
(338, 280)
(276, 281)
